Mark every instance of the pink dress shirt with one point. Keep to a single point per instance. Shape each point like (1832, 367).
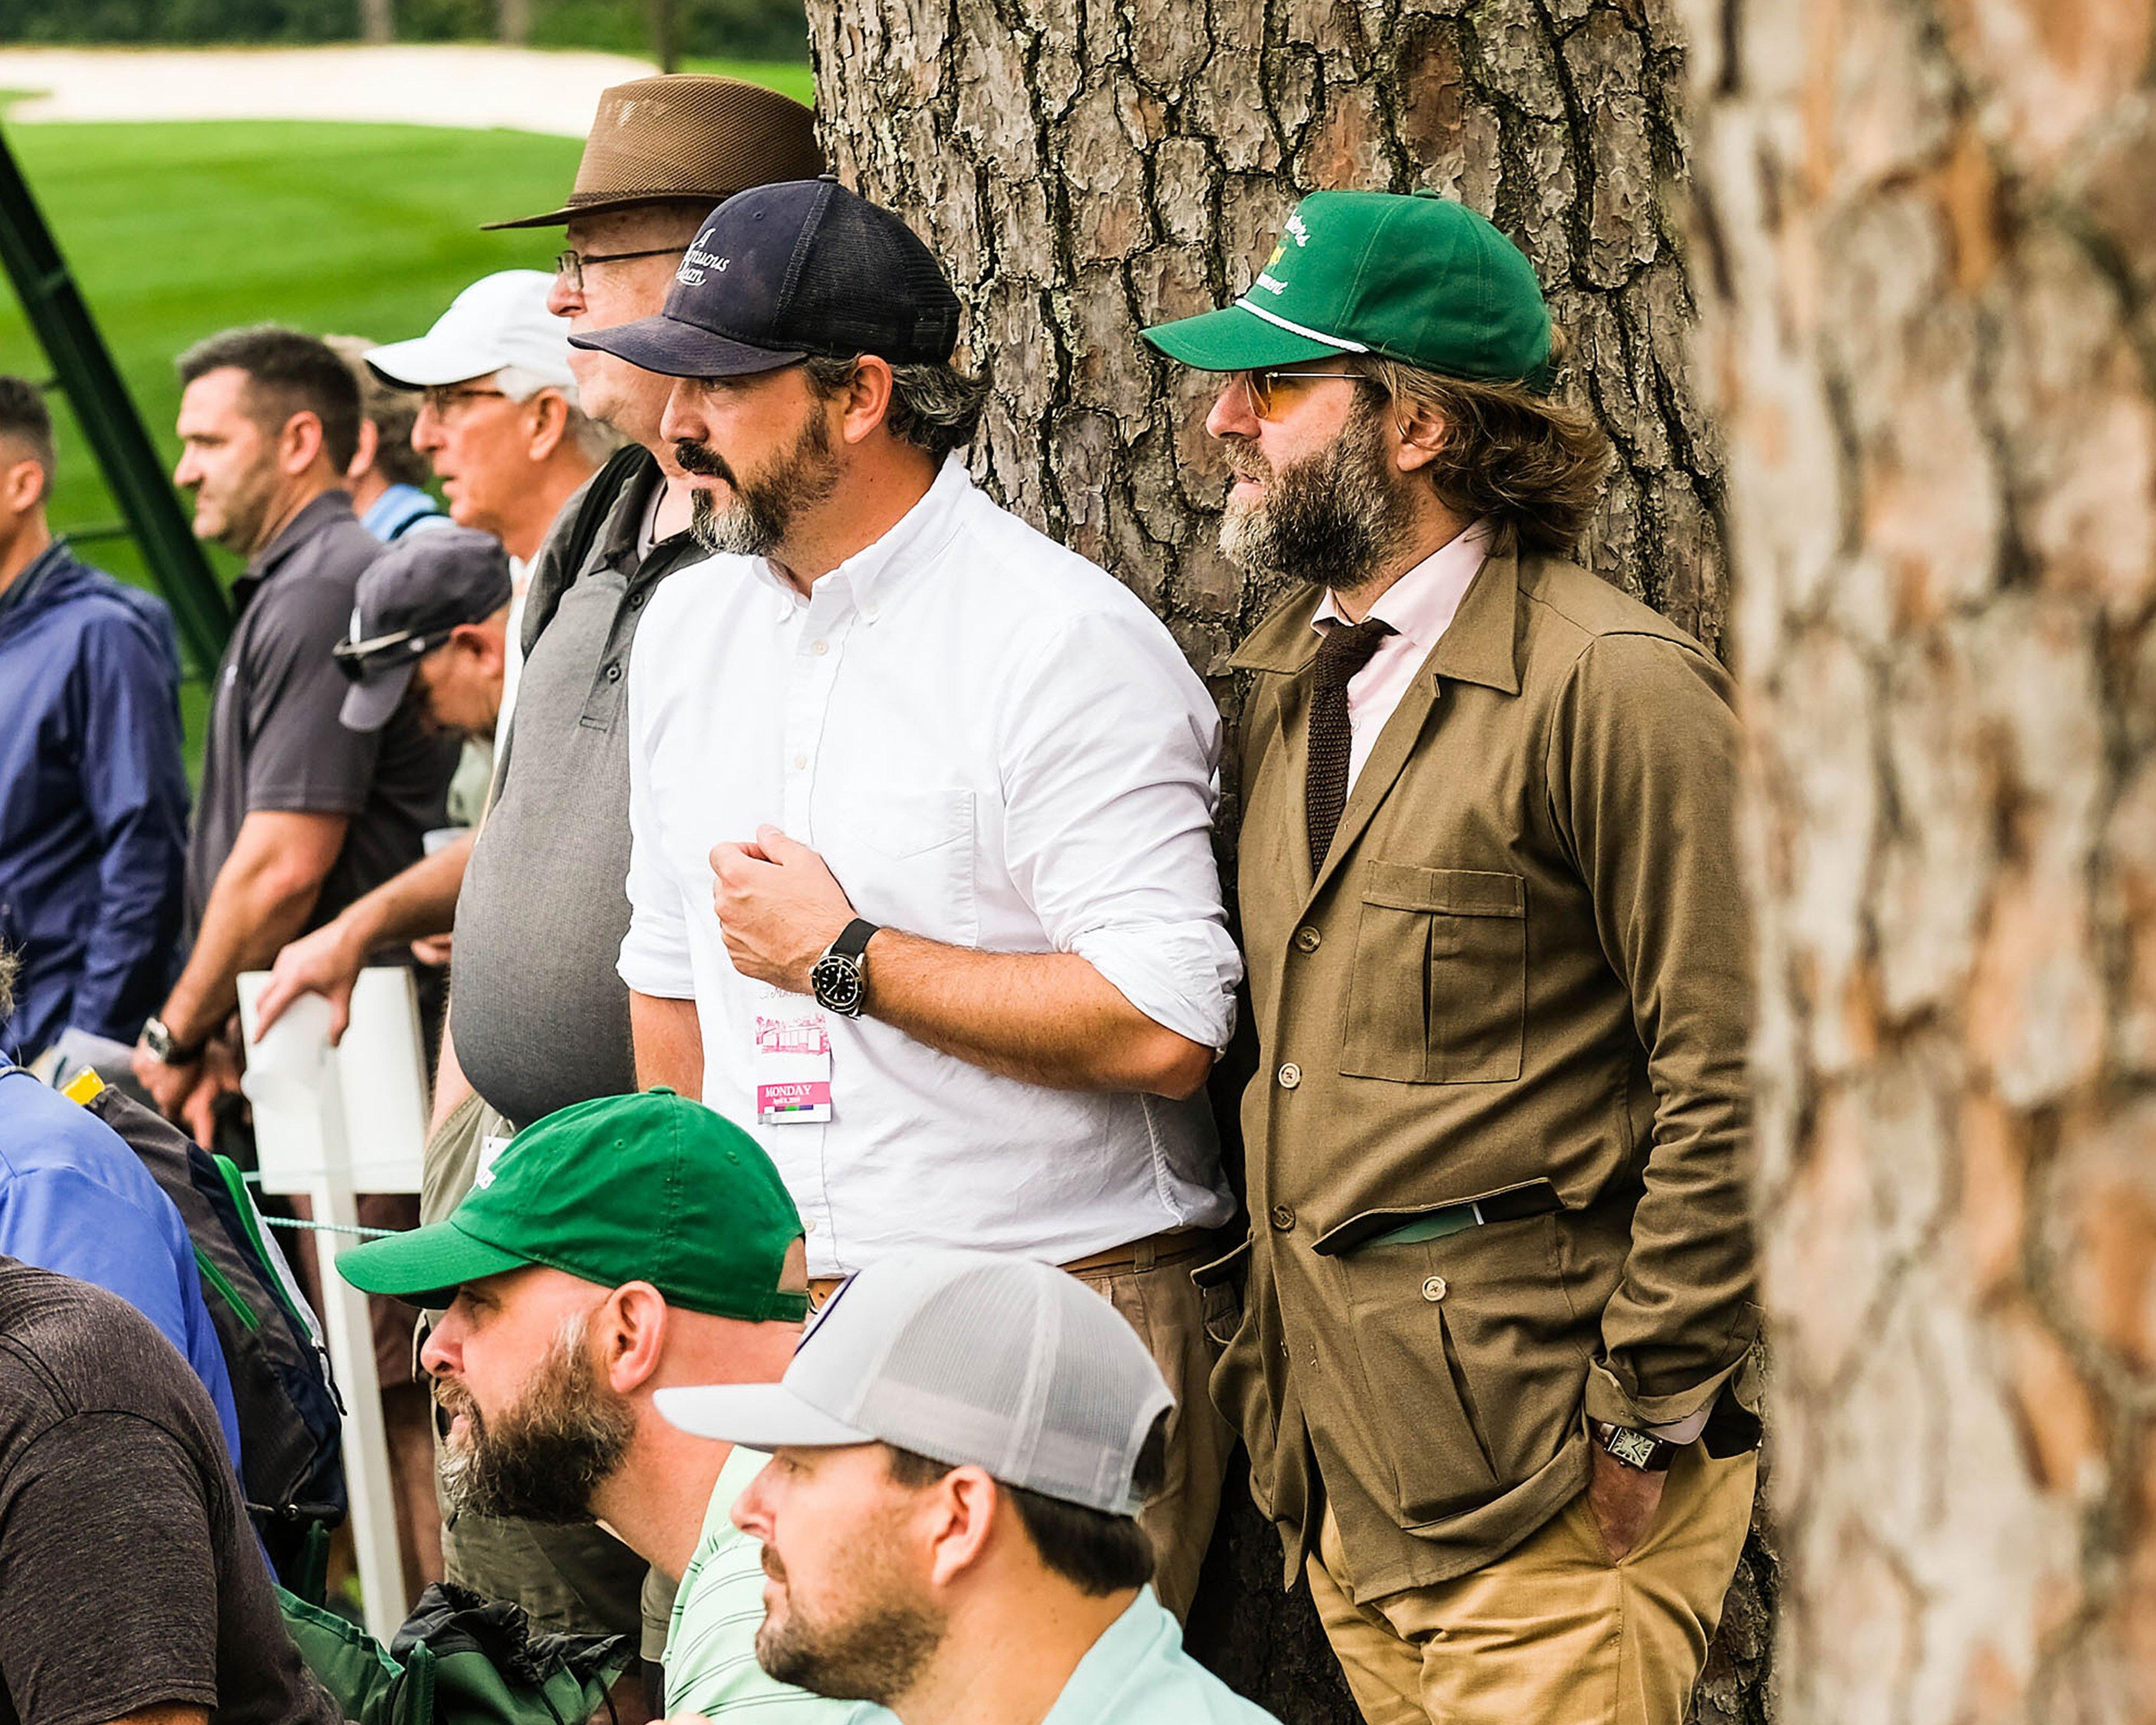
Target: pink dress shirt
(1420, 606)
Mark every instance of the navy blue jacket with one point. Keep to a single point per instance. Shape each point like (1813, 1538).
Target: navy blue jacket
(93, 802)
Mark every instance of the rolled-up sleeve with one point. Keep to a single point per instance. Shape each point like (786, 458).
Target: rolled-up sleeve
(654, 953)
(1111, 752)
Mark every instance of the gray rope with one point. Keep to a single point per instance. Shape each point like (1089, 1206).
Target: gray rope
(331, 1227)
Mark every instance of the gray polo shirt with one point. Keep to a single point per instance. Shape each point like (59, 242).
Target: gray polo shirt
(539, 1013)
(275, 742)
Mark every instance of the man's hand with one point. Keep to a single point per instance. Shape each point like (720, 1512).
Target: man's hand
(168, 1085)
(219, 1076)
(779, 907)
(326, 962)
(1623, 1501)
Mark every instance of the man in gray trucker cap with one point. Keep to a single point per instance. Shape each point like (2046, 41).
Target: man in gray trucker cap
(959, 1451)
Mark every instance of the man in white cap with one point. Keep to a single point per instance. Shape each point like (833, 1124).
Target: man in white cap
(499, 414)
(500, 418)
(960, 1449)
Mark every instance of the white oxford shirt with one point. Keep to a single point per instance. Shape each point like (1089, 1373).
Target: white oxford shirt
(993, 744)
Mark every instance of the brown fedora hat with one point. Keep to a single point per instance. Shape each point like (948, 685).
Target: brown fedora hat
(686, 137)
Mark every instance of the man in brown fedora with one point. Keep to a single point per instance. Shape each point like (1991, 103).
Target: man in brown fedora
(539, 1019)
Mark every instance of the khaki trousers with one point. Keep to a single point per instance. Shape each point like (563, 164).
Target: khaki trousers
(1552, 1633)
(1149, 1282)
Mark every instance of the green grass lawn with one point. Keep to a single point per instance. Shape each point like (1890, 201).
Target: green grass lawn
(176, 231)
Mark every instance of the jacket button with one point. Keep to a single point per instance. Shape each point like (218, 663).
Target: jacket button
(613, 674)
(1283, 1218)
(1291, 1076)
(1307, 940)
(1433, 1288)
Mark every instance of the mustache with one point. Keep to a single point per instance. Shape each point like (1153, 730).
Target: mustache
(694, 457)
(1246, 463)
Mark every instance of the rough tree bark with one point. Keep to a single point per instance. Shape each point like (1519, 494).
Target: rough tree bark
(1084, 168)
(1928, 244)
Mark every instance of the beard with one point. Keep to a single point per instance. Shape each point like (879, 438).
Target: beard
(871, 1648)
(1330, 518)
(765, 506)
(541, 1460)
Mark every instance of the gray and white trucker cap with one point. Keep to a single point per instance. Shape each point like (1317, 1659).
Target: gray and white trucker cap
(966, 1357)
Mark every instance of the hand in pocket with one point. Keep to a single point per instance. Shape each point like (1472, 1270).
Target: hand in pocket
(1623, 1501)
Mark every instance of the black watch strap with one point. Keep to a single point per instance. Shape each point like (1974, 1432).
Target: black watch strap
(853, 938)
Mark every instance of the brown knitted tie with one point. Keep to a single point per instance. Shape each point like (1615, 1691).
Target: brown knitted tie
(1344, 651)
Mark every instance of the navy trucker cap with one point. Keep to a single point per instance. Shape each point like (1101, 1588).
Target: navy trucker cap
(408, 601)
(779, 272)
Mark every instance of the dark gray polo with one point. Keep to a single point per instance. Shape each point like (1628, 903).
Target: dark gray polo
(540, 1016)
(275, 742)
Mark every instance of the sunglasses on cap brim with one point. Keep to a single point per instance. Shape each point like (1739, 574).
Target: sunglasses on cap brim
(357, 658)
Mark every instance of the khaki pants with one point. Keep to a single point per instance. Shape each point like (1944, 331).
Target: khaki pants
(1552, 1633)
(1149, 1283)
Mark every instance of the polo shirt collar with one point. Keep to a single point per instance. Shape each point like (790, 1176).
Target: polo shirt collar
(324, 512)
(328, 507)
(873, 571)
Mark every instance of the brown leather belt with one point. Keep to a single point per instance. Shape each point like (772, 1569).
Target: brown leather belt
(1172, 1245)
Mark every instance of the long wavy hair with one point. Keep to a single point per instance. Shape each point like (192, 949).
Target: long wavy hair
(1535, 463)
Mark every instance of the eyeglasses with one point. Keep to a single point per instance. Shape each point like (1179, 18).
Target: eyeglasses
(1264, 389)
(570, 266)
(355, 659)
(444, 404)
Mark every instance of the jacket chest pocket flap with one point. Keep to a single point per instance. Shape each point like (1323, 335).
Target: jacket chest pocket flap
(1439, 989)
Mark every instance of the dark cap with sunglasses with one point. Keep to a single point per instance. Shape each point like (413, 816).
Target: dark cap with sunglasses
(781, 272)
(408, 603)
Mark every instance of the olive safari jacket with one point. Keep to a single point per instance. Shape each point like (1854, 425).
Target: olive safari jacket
(1521, 978)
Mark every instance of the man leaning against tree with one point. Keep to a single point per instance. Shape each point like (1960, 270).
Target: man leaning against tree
(1493, 1360)
(921, 883)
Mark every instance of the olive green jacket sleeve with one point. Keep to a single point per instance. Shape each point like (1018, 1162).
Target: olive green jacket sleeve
(1642, 777)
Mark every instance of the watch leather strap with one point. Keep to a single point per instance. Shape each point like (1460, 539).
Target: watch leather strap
(853, 939)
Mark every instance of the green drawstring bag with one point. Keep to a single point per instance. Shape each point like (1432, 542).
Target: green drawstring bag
(458, 1660)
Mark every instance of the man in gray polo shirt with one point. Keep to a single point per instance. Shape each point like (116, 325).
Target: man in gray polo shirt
(298, 815)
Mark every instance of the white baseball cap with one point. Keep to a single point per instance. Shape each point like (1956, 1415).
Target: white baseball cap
(501, 319)
(1012, 1366)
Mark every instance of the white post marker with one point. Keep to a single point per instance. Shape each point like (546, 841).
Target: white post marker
(331, 1123)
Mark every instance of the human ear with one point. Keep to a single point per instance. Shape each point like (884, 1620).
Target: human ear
(550, 423)
(963, 1519)
(630, 1331)
(1422, 431)
(299, 442)
(867, 397)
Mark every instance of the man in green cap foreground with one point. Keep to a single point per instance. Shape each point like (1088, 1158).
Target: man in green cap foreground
(1493, 1361)
(615, 1249)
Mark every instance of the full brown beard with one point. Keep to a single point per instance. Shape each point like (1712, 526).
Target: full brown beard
(1330, 518)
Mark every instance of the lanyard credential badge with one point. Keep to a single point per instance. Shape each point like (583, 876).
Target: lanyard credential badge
(793, 1070)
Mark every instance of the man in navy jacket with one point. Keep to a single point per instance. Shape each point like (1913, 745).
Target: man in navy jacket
(93, 793)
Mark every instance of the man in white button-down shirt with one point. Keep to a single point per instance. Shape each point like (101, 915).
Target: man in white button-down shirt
(922, 880)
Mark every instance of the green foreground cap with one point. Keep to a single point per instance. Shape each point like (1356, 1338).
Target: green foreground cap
(651, 1187)
(1418, 278)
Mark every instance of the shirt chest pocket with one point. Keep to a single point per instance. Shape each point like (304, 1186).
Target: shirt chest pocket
(905, 858)
(1438, 994)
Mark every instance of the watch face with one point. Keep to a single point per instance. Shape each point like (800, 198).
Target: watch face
(837, 983)
(1634, 1448)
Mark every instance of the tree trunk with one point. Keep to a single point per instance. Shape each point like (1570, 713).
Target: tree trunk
(1084, 169)
(378, 20)
(512, 22)
(1927, 241)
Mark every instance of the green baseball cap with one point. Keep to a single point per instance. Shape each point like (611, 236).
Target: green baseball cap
(1418, 278)
(651, 1187)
